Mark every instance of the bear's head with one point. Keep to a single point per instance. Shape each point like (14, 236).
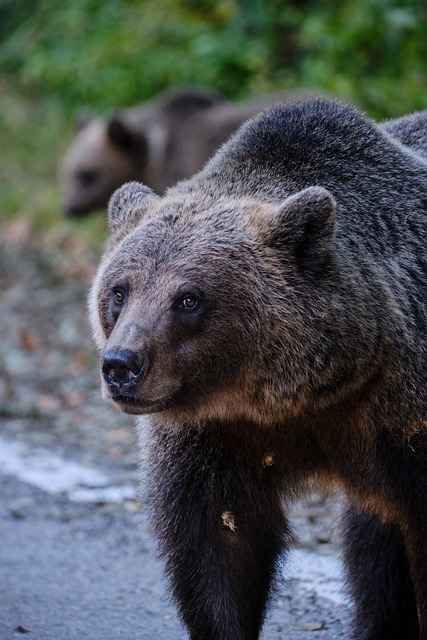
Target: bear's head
(211, 306)
(104, 155)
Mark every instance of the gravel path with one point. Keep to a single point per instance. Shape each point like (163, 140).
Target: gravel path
(49, 386)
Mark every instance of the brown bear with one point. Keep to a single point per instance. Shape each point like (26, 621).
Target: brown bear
(160, 142)
(267, 320)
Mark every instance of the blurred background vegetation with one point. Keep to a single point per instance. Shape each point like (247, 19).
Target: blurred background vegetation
(56, 58)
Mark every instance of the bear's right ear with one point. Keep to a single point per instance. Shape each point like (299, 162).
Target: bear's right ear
(128, 206)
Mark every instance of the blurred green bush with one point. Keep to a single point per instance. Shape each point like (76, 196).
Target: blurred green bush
(58, 57)
(120, 52)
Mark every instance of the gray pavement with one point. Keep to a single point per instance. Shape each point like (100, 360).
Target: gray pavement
(73, 569)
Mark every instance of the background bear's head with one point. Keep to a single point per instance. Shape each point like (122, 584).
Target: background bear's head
(200, 303)
(104, 155)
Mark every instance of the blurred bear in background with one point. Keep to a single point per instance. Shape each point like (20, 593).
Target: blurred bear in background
(158, 143)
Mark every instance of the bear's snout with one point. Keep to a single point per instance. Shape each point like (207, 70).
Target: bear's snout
(122, 369)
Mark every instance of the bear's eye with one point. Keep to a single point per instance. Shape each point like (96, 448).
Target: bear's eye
(118, 296)
(87, 177)
(189, 302)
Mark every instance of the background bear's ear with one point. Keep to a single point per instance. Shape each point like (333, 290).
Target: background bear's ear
(119, 133)
(123, 136)
(304, 225)
(128, 206)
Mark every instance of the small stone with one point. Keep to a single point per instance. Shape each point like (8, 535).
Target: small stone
(313, 626)
(21, 629)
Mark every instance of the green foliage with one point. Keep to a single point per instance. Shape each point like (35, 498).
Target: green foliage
(373, 51)
(117, 53)
(58, 57)
(108, 54)
(32, 135)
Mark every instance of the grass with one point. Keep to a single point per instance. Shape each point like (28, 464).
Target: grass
(34, 133)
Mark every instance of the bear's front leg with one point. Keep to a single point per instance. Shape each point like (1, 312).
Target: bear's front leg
(416, 548)
(379, 575)
(216, 508)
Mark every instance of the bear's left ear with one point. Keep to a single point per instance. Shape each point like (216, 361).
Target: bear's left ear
(128, 206)
(304, 225)
(121, 135)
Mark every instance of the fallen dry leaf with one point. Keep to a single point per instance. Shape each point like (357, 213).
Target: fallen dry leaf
(29, 340)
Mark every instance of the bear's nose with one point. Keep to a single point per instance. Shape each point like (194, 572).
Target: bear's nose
(122, 368)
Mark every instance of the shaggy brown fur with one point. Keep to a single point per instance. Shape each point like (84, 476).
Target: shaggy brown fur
(268, 320)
